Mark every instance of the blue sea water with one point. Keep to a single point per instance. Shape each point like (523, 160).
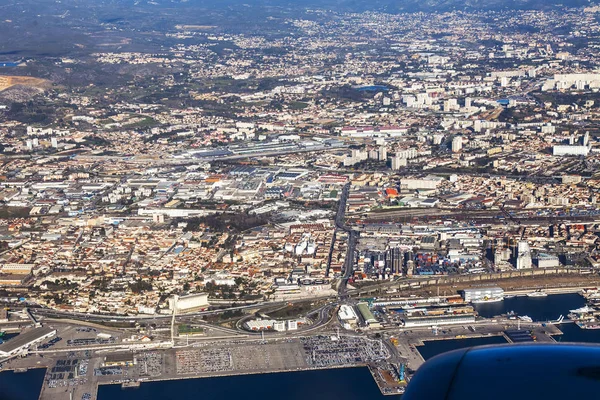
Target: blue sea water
(21, 386)
(341, 383)
(7, 336)
(432, 348)
(573, 333)
(540, 309)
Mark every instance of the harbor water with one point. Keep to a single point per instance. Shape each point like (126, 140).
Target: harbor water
(540, 309)
(340, 383)
(573, 333)
(22, 385)
(432, 348)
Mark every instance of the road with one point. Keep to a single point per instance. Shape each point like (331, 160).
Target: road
(340, 223)
(348, 266)
(44, 312)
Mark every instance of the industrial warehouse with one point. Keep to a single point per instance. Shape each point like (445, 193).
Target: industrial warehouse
(413, 312)
(25, 341)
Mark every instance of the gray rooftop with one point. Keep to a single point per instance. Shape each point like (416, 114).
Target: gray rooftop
(24, 339)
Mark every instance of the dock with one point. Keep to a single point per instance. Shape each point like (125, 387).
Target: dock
(387, 379)
(81, 372)
(391, 359)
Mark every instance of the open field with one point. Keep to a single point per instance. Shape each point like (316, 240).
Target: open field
(13, 80)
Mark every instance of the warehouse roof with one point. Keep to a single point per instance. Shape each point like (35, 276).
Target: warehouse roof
(363, 308)
(25, 339)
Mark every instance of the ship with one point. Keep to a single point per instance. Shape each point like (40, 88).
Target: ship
(590, 293)
(590, 326)
(537, 293)
(488, 300)
(583, 310)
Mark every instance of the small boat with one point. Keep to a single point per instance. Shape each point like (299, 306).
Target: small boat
(591, 326)
(583, 310)
(510, 296)
(525, 318)
(488, 300)
(537, 293)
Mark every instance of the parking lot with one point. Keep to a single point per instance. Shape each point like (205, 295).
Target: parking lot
(198, 361)
(326, 351)
(67, 372)
(150, 363)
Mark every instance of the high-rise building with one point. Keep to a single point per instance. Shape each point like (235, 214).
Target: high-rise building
(450, 105)
(394, 260)
(349, 161)
(383, 153)
(523, 256)
(456, 144)
(359, 155)
(585, 139)
(398, 162)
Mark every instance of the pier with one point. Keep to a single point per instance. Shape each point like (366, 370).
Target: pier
(391, 355)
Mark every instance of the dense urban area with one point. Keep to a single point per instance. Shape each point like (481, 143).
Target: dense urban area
(318, 183)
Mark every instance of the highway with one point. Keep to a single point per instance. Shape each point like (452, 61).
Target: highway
(48, 313)
(322, 320)
(348, 266)
(340, 224)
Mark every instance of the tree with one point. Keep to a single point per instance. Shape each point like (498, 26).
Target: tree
(140, 286)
